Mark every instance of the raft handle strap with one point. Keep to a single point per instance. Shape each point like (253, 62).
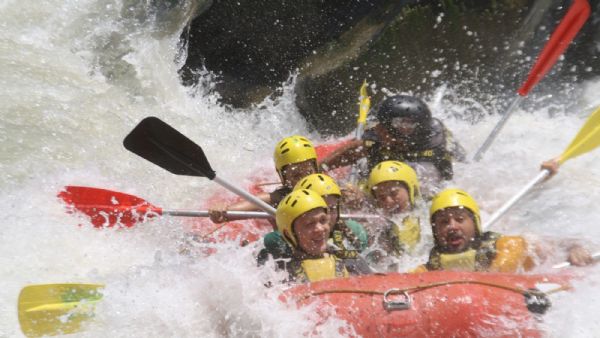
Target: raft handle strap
(392, 305)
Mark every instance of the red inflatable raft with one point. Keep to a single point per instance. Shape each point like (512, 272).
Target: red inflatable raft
(433, 304)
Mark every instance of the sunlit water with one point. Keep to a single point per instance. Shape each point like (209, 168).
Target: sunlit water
(77, 76)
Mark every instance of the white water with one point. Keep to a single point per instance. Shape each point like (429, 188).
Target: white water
(76, 77)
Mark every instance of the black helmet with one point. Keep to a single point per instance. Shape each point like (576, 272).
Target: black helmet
(404, 106)
(396, 108)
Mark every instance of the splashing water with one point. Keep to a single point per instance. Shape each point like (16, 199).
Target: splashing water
(79, 75)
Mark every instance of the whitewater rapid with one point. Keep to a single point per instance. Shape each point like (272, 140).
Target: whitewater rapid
(77, 76)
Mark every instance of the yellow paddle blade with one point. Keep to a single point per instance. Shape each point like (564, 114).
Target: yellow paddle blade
(365, 103)
(586, 140)
(51, 309)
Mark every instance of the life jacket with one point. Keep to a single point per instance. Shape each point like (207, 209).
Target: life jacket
(492, 253)
(407, 235)
(347, 242)
(434, 147)
(396, 240)
(317, 269)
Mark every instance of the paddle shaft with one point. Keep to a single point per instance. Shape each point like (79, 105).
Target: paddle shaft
(509, 204)
(354, 171)
(576, 16)
(595, 256)
(232, 215)
(484, 147)
(248, 197)
(204, 213)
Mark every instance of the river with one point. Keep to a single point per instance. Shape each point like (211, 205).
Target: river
(77, 76)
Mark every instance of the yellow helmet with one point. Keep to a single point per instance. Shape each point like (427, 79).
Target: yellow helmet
(293, 149)
(294, 205)
(455, 198)
(395, 171)
(320, 183)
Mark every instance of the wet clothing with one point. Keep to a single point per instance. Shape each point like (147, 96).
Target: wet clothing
(437, 147)
(398, 239)
(393, 240)
(304, 270)
(275, 247)
(493, 252)
(348, 238)
(348, 241)
(278, 194)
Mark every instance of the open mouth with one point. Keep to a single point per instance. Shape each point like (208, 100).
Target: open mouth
(318, 241)
(455, 240)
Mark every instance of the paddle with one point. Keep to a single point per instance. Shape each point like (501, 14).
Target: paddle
(559, 41)
(587, 139)
(52, 309)
(164, 146)
(365, 105)
(108, 208)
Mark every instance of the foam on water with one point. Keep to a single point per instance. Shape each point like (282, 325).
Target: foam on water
(77, 76)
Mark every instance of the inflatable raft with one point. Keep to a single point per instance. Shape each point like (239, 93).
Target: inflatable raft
(434, 304)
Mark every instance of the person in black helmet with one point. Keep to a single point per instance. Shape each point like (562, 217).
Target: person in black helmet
(405, 132)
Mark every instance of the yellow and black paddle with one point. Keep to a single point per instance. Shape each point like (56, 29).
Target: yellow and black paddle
(52, 309)
(587, 139)
(363, 111)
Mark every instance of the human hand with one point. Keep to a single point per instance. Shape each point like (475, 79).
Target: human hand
(551, 165)
(579, 256)
(218, 215)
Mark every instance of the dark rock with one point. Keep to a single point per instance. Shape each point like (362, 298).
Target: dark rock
(255, 46)
(482, 49)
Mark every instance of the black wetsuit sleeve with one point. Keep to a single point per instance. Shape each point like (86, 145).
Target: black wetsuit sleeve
(443, 162)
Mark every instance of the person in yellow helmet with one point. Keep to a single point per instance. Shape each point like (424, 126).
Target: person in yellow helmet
(460, 243)
(295, 157)
(394, 188)
(302, 218)
(348, 237)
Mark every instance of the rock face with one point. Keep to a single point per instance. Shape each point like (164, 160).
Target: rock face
(481, 48)
(255, 46)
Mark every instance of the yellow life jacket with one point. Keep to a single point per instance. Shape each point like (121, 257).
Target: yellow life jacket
(314, 270)
(477, 258)
(464, 261)
(494, 253)
(337, 238)
(511, 255)
(395, 240)
(407, 235)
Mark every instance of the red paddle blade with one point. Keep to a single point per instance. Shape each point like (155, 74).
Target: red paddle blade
(559, 41)
(108, 208)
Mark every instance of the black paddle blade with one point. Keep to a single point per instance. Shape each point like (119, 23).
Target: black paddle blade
(164, 146)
